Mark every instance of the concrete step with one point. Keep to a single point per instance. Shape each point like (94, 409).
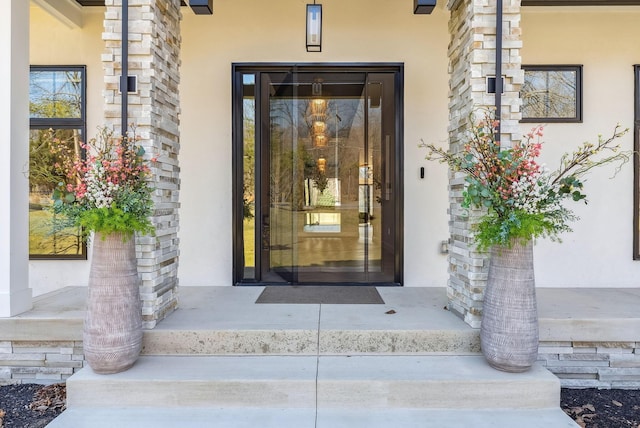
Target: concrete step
(431, 382)
(227, 321)
(325, 382)
(194, 381)
(104, 417)
(310, 342)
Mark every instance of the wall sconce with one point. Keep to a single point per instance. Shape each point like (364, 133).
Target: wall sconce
(492, 84)
(423, 7)
(202, 7)
(131, 84)
(314, 27)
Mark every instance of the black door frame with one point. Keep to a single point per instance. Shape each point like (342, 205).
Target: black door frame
(636, 164)
(238, 71)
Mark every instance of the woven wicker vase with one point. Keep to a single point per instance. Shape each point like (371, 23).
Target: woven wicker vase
(509, 330)
(113, 322)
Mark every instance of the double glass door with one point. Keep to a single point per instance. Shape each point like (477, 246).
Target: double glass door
(320, 179)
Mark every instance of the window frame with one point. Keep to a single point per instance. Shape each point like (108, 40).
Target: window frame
(240, 69)
(636, 164)
(578, 69)
(39, 123)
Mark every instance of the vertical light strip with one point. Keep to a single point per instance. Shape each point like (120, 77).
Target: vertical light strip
(124, 77)
(499, 84)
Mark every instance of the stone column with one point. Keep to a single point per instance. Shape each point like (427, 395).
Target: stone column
(154, 57)
(15, 294)
(472, 54)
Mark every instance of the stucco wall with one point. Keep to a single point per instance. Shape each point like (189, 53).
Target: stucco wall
(354, 31)
(53, 43)
(605, 41)
(257, 32)
(598, 253)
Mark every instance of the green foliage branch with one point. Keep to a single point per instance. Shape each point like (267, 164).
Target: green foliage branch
(108, 189)
(523, 200)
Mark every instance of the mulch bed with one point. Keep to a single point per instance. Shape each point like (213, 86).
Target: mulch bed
(31, 405)
(604, 408)
(34, 406)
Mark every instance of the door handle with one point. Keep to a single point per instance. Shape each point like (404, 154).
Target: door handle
(387, 159)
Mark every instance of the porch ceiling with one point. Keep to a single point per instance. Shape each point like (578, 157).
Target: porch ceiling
(199, 7)
(524, 2)
(580, 2)
(101, 2)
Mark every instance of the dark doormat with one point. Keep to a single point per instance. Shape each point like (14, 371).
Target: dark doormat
(316, 294)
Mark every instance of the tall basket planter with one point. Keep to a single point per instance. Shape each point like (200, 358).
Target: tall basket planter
(113, 323)
(523, 201)
(509, 329)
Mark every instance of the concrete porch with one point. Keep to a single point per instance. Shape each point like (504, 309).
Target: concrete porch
(222, 357)
(577, 326)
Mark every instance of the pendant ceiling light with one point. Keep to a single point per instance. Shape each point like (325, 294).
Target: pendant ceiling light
(314, 27)
(318, 108)
(322, 164)
(319, 127)
(320, 140)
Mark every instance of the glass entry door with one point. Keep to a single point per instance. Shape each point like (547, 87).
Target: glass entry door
(325, 206)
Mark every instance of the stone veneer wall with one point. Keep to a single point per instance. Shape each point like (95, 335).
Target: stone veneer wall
(577, 364)
(472, 28)
(154, 57)
(39, 361)
(593, 364)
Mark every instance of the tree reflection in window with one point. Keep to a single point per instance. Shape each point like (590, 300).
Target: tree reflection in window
(57, 111)
(552, 94)
(55, 94)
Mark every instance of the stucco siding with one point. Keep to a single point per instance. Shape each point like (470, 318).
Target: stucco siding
(597, 254)
(604, 40)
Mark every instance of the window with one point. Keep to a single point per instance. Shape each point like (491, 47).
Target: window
(57, 107)
(552, 93)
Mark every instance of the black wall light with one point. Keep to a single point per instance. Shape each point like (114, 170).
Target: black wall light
(423, 7)
(492, 85)
(202, 7)
(314, 27)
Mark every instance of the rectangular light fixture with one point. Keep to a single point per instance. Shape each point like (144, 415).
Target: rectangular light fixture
(314, 27)
(202, 7)
(423, 7)
(492, 84)
(131, 84)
